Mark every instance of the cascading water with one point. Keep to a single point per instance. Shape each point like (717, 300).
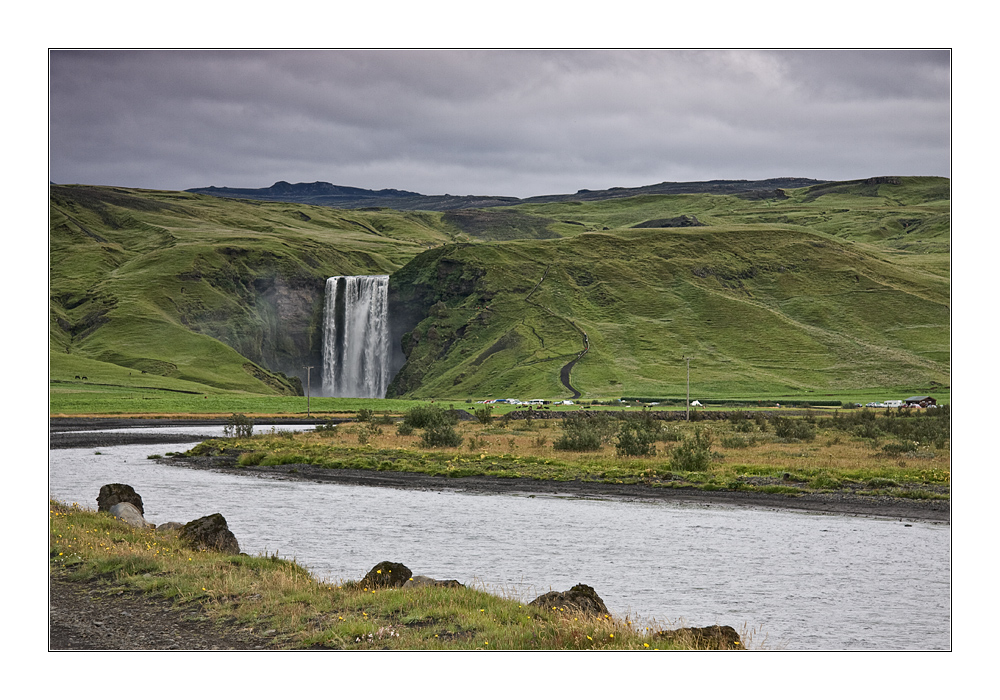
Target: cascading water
(356, 336)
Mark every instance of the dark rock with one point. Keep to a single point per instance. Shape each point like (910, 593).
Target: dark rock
(581, 598)
(111, 494)
(387, 574)
(210, 533)
(422, 581)
(172, 525)
(714, 637)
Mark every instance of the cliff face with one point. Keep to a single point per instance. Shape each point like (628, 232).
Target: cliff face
(291, 313)
(420, 294)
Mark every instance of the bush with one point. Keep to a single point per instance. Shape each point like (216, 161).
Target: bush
(485, 414)
(635, 441)
(366, 432)
(440, 435)
(428, 416)
(694, 454)
(365, 415)
(239, 426)
(736, 442)
(899, 448)
(787, 428)
(583, 433)
(404, 429)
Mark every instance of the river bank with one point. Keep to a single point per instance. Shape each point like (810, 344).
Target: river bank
(79, 432)
(839, 503)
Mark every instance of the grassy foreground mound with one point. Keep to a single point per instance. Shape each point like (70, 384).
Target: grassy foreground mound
(282, 600)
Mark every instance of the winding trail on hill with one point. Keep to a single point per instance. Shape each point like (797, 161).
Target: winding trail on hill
(564, 372)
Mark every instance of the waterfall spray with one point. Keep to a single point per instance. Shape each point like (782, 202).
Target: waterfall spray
(356, 336)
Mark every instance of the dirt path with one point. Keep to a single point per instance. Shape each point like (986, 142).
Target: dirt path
(97, 616)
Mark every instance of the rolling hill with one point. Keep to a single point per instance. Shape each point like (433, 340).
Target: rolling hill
(824, 288)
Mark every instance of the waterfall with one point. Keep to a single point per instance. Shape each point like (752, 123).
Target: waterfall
(356, 336)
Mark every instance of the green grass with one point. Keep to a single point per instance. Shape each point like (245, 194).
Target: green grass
(743, 456)
(258, 593)
(838, 290)
(778, 313)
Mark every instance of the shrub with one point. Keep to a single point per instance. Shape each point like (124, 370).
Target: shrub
(693, 454)
(239, 426)
(485, 414)
(635, 441)
(582, 433)
(366, 432)
(404, 429)
(736, 442)
(382, 419)
(440, 435)
(787, 428)
(428, 416)
(365, 415)
(899, 448)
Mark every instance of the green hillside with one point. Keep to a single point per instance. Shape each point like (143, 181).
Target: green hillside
(221, 294)
(819, 290)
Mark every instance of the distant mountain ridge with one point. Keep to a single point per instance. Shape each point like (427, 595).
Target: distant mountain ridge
(343, 197)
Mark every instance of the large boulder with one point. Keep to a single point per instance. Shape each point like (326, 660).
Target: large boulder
(387, 574)
(714, 637)
(111, 494)
(130, 514)
(580, 598)
(424, 581)
(210, 533)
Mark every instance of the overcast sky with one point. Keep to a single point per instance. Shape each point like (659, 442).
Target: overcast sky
(517, 123)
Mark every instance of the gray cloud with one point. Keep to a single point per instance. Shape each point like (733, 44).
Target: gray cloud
(486, 122)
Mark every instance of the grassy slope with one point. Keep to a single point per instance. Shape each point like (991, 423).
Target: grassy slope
(162, 282)
(814, 294)
(841, 286)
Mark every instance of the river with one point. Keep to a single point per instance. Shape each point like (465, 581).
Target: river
(793, 580)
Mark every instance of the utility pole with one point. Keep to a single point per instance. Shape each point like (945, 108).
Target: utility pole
(308, 386)
(688, 403)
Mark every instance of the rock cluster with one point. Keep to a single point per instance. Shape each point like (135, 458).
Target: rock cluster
(110, 494)
(208, 533)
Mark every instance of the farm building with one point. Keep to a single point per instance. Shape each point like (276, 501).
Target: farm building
(922, 401)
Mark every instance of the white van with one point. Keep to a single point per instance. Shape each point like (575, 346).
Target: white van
(894, 404)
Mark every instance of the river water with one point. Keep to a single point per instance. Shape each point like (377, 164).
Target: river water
(794, 580)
